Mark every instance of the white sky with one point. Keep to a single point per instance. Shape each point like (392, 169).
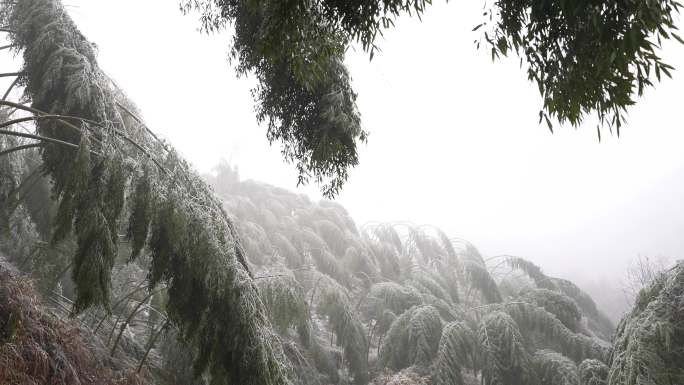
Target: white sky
(454, 139)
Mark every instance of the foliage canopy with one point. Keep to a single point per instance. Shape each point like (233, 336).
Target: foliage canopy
(586, 57)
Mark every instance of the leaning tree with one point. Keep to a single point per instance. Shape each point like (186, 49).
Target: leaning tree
(110, 175)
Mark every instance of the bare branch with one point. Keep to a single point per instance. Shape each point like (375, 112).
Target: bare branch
(8, 74)
(19, 148)
(130, 317)
(38, 137)
(137, 119)
(153, 339)
(14, 83)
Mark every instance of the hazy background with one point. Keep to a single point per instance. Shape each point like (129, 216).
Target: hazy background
(454, 139)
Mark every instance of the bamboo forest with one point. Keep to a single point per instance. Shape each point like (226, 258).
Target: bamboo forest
(122, 262)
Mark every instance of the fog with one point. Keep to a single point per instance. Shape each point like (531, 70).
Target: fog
(454, 138)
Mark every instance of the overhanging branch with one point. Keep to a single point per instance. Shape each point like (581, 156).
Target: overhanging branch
(38, 137)
(137, 119)
(63, 118)
(19, 148)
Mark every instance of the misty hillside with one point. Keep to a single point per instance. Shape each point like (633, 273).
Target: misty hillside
(383, 303)
(388, 282)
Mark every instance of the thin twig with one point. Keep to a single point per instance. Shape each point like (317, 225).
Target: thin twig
(121, 300)
(153, 339)
(130, 317)
(38, 137)
(32, 118)
(14, 83)
(137, 119)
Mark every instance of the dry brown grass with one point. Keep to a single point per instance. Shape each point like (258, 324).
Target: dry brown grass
(38, 348)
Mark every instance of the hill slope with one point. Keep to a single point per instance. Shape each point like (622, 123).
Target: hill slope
(403, 297)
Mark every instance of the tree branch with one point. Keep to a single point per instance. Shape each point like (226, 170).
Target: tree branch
(64, 118)
(19, 148)
(8, 74)
(137, 119)
(153, 339)
(14, 83)
(38, 137)
(120, 301)
(130, 317)
(32, 118)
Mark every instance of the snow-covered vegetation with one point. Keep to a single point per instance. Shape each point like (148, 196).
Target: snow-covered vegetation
(151, 273)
